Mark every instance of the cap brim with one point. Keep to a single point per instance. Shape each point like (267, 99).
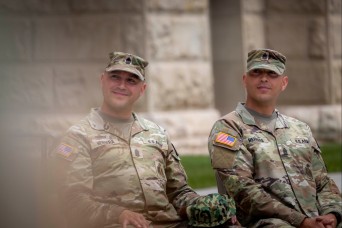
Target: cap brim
(271, 67)
(126, 69)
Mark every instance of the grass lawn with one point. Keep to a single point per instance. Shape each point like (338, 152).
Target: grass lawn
(199, 171)
(201, 175)
(332, 155)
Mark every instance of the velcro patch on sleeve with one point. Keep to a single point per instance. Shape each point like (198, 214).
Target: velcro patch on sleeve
(225, 139)
(64, 150)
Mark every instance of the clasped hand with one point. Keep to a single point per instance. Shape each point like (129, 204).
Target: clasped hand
(132, 218)
(323, 221)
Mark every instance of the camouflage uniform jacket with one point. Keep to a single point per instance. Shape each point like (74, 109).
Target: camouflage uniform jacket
(278, 174)
(103, 174)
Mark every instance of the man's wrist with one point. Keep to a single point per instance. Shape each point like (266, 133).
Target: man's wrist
(337, 216)
(182, 213)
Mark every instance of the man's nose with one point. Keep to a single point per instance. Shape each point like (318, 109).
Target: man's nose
(264, 77)
(121, 83)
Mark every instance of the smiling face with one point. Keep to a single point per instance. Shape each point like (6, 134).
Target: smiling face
(120, 91)
(263, 88)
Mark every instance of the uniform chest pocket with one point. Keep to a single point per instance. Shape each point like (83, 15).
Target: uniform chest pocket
(298, 153)
(110, 157)
(149, 157)
(258, 143)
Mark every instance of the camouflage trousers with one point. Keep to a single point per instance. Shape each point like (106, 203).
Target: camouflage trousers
(271, 223)
(183, 224)
(276, 223)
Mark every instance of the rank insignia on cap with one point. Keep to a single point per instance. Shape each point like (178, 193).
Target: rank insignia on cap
(128, 60)
(225, 139)
(64, 150)
(265, 56)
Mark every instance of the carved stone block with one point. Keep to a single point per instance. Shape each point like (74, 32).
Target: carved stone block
(177, 5)
(171, 37)
(180, 85)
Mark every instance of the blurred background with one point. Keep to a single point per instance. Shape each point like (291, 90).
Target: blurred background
(53, 52)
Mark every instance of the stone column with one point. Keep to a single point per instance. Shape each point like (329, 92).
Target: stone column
(180, 80)
(308, 32)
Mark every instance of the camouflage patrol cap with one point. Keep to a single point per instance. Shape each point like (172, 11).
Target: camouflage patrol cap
(211, 210)
(266, 59)
(127, 62)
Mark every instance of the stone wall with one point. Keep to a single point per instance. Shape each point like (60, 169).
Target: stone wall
(308, 33)
(313, 28)
(53, 52)
(180, 91)
(52, 55)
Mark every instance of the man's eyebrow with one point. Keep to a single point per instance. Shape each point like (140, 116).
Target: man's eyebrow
(135, 77)
(113, 72)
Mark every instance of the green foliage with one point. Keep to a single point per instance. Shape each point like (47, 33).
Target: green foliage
(332, 155)
(199, 171)
(201, 175)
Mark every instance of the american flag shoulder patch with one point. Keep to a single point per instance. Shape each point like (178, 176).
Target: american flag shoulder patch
(65, 150)
(225, 139)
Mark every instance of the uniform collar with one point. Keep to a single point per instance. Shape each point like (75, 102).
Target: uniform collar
(98, 123)
(248, 119)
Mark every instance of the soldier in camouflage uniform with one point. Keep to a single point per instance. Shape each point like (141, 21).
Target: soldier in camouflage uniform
(116, 169)
(270, 163)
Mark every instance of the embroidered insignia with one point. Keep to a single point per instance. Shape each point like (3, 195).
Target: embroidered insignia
(265, 56)
(128, 60)
(225, 139)
(64, 150)
(138, 153)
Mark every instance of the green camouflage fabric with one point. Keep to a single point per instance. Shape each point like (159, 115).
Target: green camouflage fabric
(276, 174)
(101, 174)
(211, 210)
(266, 59)
(127, 62)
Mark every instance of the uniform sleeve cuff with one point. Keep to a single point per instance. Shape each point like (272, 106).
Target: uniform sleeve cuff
(296, 218)
(113, 214)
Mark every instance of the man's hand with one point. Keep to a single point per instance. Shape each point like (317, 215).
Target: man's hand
(323, 221)
(311, 223)
(235, 221)
(329, 220)
(132, 218)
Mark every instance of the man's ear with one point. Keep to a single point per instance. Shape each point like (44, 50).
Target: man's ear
(102, 78)
(143, 88)
(285, 82)
(244, 80)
